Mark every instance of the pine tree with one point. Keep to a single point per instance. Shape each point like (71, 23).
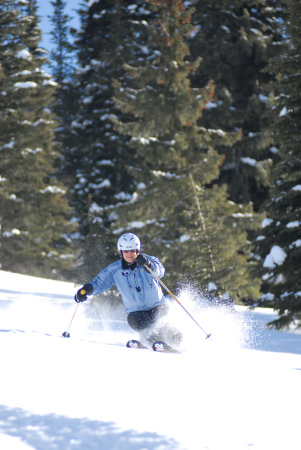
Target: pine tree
(235, 38)
(64, 102)
(111, 34)
(279, 242)
(181, 214)
(61, 55)
(34, 213)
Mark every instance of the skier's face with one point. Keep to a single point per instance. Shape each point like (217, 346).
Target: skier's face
(130, 255)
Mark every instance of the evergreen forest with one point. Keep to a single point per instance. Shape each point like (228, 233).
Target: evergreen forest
(179, 121)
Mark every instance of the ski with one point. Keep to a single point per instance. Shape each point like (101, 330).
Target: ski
(160, 346)
(133, 343)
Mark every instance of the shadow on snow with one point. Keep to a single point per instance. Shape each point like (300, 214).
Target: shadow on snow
(55, 432)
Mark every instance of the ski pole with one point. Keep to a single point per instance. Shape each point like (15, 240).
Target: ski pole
(178, 301)
(66, 333)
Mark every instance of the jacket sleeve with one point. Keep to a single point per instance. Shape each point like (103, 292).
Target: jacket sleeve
(159, 269)
(103, 281)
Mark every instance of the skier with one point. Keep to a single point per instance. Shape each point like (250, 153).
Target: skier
(141, 294)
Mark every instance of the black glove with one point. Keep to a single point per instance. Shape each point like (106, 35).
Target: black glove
(143, 261)
(82, 293)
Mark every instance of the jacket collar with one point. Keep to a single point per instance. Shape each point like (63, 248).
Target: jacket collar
(125, 265)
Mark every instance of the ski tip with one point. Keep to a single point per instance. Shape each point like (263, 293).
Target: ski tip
(160, 346)
(133, 343)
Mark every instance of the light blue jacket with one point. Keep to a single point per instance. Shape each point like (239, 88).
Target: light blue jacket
(138, 289)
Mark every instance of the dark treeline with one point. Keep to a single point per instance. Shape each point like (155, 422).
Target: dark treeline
(176, 120)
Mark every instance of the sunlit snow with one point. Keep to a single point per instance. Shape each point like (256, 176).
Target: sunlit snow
(266, 222)
(238, 390)
(293, 224)
(24, 54)
(276, 256)
(248, 160)
(25, 85)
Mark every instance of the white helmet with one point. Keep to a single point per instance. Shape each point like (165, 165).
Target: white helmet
(128, 241)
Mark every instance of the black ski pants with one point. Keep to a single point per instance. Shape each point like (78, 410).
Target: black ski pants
(139, 320)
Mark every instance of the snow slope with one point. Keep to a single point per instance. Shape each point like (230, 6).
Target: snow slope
(239, 391)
